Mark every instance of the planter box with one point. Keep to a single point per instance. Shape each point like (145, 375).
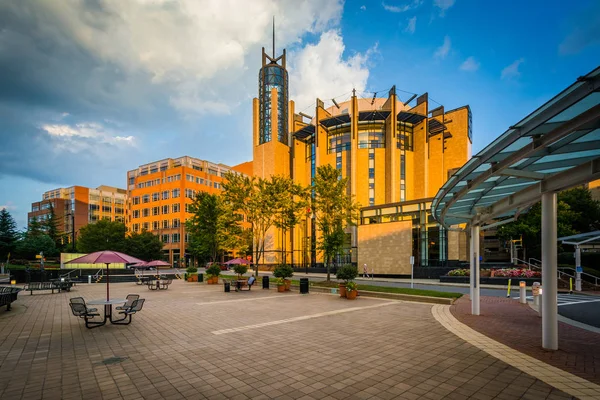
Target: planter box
(488, 280)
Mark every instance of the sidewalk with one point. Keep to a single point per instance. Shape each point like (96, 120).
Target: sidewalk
(519, 327)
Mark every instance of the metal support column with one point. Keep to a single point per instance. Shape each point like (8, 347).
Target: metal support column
(549, 272)
(578, 268)
(471, 265)
(475, 270)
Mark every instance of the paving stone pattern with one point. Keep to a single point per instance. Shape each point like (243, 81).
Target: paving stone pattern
(171, 352)
(518, 326)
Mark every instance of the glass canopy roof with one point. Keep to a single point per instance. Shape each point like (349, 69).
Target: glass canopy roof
(555, 147)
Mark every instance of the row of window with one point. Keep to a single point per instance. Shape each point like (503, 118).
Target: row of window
(156, 196)
(155, 182)
(156, 225)
(106, 209)
(145, 212)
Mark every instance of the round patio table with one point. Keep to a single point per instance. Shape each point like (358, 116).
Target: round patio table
(107, 306)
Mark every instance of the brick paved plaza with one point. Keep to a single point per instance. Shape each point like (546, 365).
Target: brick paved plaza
(194, 341)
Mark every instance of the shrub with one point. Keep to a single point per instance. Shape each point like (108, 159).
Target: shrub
(347, 273)
(214, 270)
(240, 269)
(191, 269)
(350, 286)
(459, 272)
(283, 271)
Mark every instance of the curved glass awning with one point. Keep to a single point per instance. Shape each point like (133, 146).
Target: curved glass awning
(554, 148)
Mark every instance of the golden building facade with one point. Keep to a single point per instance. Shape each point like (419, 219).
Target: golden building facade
(392, 152)
(159, 196)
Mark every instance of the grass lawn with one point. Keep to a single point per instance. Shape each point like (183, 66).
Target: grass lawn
(400, 290)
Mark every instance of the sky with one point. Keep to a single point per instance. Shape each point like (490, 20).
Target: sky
(90, 89)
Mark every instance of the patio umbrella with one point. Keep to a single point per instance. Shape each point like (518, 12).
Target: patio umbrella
(237, 261)
(106, 257)
(139, 265)
(157, 263)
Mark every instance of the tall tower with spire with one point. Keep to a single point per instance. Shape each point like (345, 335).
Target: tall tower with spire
(272, 110)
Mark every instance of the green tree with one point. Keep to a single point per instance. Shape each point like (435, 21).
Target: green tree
(213, 228)
(145, 245)
(574, 214)
(290, 201)
(103, 235)
(35, 227)
(8, 234)
(334, 211)
(31, 245)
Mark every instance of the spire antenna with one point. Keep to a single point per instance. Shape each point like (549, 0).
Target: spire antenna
(273, 36)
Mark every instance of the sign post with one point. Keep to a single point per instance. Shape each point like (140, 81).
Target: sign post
(412, 271)
(578, 269)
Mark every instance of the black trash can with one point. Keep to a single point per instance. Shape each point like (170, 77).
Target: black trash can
(200, 277)
(265, 282)
(227, 286)
(303, 285)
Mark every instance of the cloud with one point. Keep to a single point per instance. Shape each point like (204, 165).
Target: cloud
(443, 6)
(363, 7)
(585, 34)
(470, 64)
(320, 70)
(9, 206)
(512, 71)
(411, 25)
(402, 8)
(442, 51)
(90, 89)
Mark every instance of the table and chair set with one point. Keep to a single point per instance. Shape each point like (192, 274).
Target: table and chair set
(153, 283)
(126, 308)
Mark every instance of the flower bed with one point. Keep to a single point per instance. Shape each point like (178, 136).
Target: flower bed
(499, 273)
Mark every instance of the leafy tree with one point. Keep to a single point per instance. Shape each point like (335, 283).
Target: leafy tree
(335, 210)
(31, 245)
(103, 235)
(145, 245)
(8, 234)
(213, 228)
(250, 196)
(576, 212)
(290, 201)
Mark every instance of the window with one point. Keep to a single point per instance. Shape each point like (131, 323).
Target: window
(371, 172)
(165, 209)
(155, 210)
(176, 223)
(145, 198)
(153, 169)
(35, 208)
(106, 209)
(93, 218)
(189, 178)
(131, 180)
(93, 207)
(136, 213)
(175, 208)
(165, 238)
(373, 137)
(155, 225)
(146, 212)
(136, 200)
(155, 196)
(175, 193)
(107, 199)
(188, 208)
(187, 237)
(146, 226)
(136, 227)
(190, 194)
(165, 195)
(118, 210)
(200, 181)
(176, 237)
(165, 224)
(217, 185)
(212, 171)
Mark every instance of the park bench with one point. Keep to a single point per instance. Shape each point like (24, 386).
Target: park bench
(7, 296)
(241, 284)
(31, 286)
(136, 306)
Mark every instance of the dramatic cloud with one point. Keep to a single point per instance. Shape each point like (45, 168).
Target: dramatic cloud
(470, 64)
(443, 5)
(512, 71)
(402, 7)
(442, 51)
(320, 70)
(411, 26)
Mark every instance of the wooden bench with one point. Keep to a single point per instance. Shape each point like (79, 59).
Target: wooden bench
(31, 286)
(241, 284)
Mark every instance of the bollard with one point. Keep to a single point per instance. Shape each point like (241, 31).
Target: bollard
(508, 291)
(523, 292)
(89, 279)
(540, 302)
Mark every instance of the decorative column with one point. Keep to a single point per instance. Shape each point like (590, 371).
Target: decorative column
(549, 273)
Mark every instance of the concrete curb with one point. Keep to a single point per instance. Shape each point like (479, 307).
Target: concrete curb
(383, 295)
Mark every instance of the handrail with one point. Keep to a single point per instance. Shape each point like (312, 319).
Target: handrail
(99, 273)
(68, 274)
(594, 277)
(539, 262)
(525, 262)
